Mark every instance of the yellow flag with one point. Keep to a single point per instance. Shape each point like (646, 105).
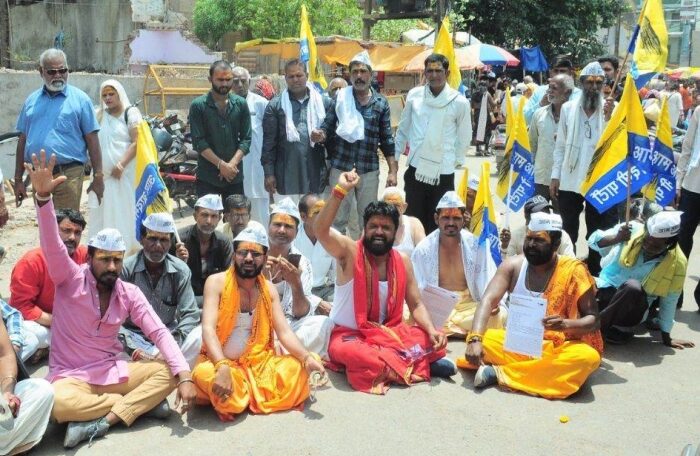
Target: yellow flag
(651, 47)
(443, 45)
(463, 186)
(516, 178)
(151, 193)
(510, 118)
(308, 53)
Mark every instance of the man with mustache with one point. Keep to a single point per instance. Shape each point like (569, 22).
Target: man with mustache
(31, 287)
(165, 280)
(95, 387)
(205, 250)
(572, 345)
(60, 119)
(291, 274)
(239, 368)
(581, 123)
(447, 258)
(221, 133)
(360, 121)
(370, 341)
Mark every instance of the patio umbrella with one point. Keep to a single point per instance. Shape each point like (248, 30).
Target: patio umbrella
(493, 55)
(466, 59)
(681, 73)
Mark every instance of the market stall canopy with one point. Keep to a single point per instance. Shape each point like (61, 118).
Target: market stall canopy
(391, 57)
(683, 73)
(489, 54)
(533, 59)
(466, 59)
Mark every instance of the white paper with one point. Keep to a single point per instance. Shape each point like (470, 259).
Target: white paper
(524, 330)
(439, 302)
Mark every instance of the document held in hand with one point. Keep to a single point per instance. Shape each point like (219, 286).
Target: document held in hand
(439, 303)
(524, 330)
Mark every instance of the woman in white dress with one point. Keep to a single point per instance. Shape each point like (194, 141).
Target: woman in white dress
(118, 131)
(410, 231)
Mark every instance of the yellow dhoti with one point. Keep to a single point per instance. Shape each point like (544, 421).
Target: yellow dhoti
(281, 383)
(560, 372)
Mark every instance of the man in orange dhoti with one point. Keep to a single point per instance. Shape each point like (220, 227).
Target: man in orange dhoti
(370, 341)
(238, 368)
(572, 344)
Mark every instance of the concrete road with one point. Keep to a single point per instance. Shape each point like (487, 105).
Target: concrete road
(642, 401)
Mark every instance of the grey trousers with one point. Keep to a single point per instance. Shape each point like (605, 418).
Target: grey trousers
(365, 192)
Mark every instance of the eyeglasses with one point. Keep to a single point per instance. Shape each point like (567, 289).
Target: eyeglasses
(588, 131)
(242, 254)
(54, 72)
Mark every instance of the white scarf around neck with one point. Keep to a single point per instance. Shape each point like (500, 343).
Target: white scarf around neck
(315, 113)
(351, 124)
(431, 150)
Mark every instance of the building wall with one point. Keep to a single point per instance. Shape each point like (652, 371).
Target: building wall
(95, 33)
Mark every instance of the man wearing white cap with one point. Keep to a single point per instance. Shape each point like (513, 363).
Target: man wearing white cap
(239, 368)
(370, 340)
(206, 250)
(472, 187)
(572, 345)
(95, 386)
(165, 280)
(447, 259)
(581, 123)
(360, 122)
(437, 128)
(643, 263)
(291, 273)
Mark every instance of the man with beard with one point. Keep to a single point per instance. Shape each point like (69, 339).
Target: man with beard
(205, 250)
(581, 123)
(539, 97)
(221, 133)
(435, 261)
(644, 263)
(31, 288)
(360, 121)
(59, 118)
(292, 160)
(165, 281)
(370, 341)
(291, 273)
(572, 344)
(254, 177)
(437, 128)
(239, 368)
(95, 387)
(236, 215)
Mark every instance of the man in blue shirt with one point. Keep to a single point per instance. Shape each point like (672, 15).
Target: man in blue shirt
(641, 263)
(59, 119)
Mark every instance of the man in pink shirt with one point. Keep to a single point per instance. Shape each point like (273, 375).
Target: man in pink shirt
(95, 385)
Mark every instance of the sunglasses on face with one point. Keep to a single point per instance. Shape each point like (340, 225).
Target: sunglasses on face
(54, 72)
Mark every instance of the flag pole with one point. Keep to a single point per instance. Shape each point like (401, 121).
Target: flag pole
(510, 184)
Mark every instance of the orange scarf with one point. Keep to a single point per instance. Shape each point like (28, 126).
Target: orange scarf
(261, 340)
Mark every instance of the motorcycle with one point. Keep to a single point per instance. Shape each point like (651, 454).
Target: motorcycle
(497, 144)
(177, 160)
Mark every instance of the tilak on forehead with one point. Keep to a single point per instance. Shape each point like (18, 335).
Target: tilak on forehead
(450, 204)
(394, 200)
(316, 208)
(250, 246)
(286, 211)
(283, 218)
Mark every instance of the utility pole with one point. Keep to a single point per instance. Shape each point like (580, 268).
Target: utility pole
(400, 9)
(5, 34)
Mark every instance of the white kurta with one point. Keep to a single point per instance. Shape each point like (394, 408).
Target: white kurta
(36, 395)
(323, 263)
(253, 175)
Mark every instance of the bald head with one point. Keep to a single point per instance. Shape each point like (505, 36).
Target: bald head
(241, 81)
(336, 83)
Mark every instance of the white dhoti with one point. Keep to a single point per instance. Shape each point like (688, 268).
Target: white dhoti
(314, 332)
(190, 347)
(36, 395)
(36, 336)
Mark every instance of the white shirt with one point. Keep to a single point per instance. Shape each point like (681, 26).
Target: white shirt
(517, 240)
(675, 106)
(687, 177)
(570, 179)
(543, 137)
(456, 131)
(253, 174)
(323, 264)
(285, 290)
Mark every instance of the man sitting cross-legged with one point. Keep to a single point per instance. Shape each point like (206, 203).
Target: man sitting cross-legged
(165, 281)
(239, 368)
(447, 258)
(572, 344)
(95, 387)
(370, 341)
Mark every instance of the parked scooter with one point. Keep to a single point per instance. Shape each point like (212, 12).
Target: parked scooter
(497, 144)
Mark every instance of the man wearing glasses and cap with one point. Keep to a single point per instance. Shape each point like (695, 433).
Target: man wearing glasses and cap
(572, 345)
(59, 118)
(643, 263)
(291, 274)
(581, 123)
(206, 250)
(239, 368)
(512, 242)
(165, 281)
(95, 386)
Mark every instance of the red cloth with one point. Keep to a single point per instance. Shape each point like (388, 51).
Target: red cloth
(376, 355)
(687, 98)
(31, 288)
